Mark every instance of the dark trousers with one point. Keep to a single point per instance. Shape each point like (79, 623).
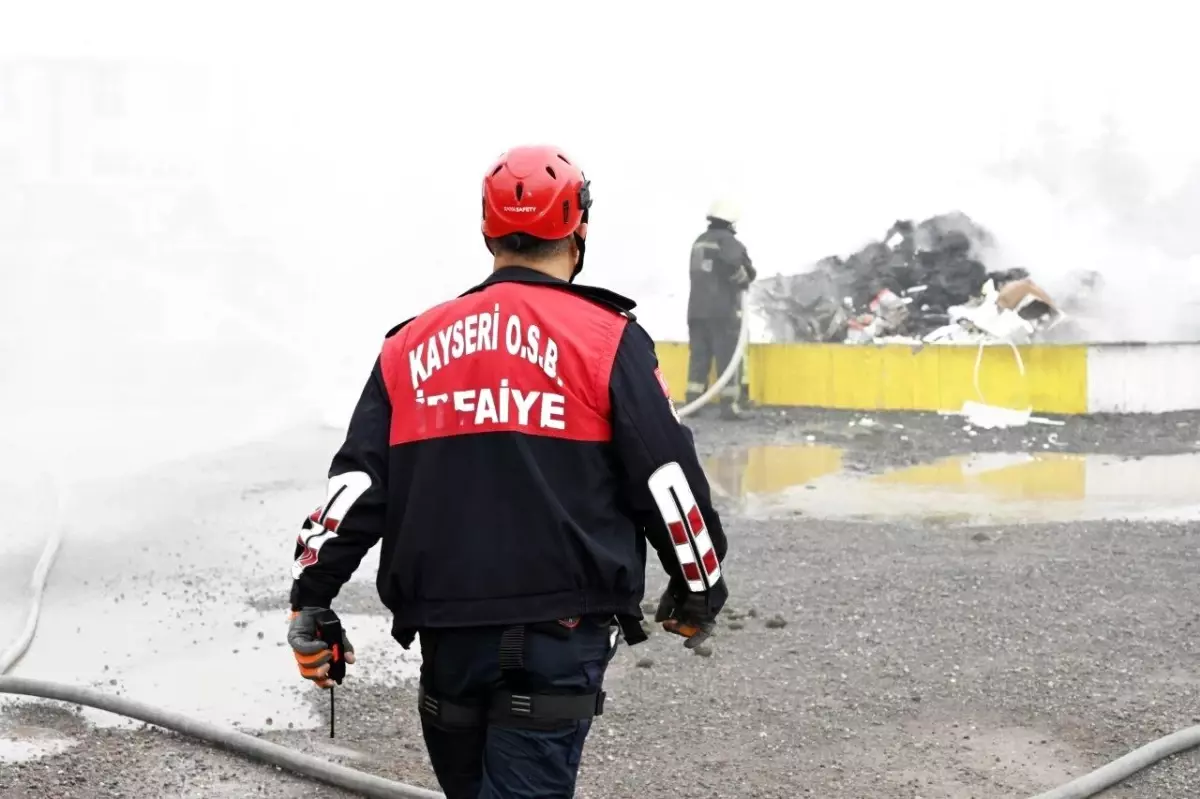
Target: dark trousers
(498, 761)
(709, 340)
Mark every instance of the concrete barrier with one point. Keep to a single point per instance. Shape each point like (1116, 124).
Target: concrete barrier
(1060, 379)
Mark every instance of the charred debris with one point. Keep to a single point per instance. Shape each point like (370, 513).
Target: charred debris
(922, 283)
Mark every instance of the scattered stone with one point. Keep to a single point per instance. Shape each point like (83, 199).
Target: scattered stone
(886, 613)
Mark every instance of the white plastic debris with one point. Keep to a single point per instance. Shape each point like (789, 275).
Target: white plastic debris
(999, 316)
(1044, 420)
(991, 417)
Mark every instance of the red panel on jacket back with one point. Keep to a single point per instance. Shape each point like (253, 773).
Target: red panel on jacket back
(512, 357)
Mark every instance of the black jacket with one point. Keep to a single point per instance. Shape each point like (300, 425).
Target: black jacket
(514, 449)
(720, 270)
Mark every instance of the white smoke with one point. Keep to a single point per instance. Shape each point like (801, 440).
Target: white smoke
(1059, 208)
(223, 248)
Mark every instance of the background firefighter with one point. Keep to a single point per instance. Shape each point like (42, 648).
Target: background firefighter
(720, 271)
(514, 449)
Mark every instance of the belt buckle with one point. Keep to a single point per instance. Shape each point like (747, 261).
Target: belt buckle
(430, 705)
(521, 705)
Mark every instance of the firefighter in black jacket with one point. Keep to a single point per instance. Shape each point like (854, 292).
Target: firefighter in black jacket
(514, 449)
(720, 271)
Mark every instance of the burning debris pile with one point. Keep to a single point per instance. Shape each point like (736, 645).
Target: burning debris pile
(921, 283)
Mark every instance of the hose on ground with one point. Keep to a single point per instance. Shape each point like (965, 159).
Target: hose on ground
(37, 589)
(1123, 768)
(375, 787)
(739, 351)
(37, 585)
(306, 765)
(273, 754)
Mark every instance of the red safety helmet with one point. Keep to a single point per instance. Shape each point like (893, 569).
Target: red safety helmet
(537, 191)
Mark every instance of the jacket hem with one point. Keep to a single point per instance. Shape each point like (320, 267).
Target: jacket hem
(433, 614)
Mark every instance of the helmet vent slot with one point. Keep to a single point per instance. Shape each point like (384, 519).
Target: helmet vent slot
(520, 191)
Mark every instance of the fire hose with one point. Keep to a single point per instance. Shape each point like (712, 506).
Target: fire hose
(357, 782)
(315, 768)
(370, 785)
(739, 352)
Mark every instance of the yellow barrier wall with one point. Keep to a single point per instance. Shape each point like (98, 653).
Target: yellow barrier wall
(672, 360)
(898, 377)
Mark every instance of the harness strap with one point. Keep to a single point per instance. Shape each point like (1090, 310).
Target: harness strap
(547, 707)
(450, 714)
(506, 708)
(517, 705)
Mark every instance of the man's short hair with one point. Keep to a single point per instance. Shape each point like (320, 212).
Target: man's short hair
(530, 247)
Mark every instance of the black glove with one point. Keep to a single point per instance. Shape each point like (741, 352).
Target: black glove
(687, 614)
(312, 654)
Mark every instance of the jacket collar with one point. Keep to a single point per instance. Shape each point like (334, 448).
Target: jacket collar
(523, 274)
(520, 274)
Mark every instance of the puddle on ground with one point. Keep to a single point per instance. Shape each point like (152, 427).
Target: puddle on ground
(240, 674)
(18, 744)
(969, 489)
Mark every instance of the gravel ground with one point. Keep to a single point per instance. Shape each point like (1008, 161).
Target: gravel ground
(855, 659)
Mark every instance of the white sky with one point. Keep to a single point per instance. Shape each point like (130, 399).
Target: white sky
(345, 143)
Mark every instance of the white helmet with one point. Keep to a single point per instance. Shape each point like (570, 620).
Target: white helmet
(726, 211)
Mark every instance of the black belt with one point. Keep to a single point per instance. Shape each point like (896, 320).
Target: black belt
(508, 708)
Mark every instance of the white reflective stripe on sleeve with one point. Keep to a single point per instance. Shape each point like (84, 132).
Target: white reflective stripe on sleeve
(678, 508)
(322, 525)
(712, 565)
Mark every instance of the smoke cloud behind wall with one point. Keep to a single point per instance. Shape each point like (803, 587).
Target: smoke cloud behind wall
(206, 233)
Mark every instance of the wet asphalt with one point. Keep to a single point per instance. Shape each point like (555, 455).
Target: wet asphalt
(897, 657)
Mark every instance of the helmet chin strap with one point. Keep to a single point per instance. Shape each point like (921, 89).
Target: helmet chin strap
(579, 242)
(582, 245)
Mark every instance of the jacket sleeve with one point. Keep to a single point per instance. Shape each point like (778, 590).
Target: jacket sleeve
(336, 536)
(666, 492)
